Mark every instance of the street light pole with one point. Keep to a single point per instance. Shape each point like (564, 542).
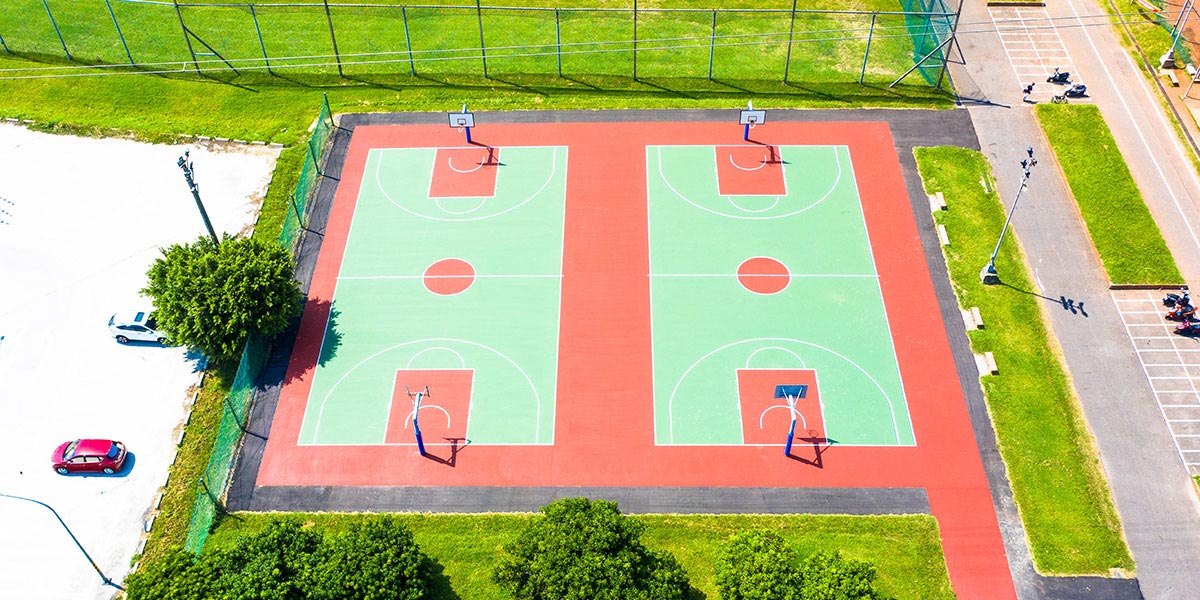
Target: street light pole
(103, 577)
(988, 274)
(188, 173)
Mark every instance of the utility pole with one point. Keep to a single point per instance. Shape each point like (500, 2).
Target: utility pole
(988, 274)
(189, 174)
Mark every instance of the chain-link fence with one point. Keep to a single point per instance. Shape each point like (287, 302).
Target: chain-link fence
(214, 482)
(215, 479)
(380, 39)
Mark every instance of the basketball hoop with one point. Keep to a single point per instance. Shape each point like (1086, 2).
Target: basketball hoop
(751, 118)
(463, 122)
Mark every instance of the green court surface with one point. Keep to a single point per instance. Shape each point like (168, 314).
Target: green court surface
(707, 326)
(504, 326)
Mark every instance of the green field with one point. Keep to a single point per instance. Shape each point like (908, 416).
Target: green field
(162, 100)
(1124, 233)
(904, 549)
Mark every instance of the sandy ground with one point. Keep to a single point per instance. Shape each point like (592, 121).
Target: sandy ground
(81, 220)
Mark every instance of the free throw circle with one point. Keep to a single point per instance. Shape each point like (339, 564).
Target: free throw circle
(449, 276)
(763, 275)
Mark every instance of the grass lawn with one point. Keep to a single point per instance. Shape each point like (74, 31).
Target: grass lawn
(1060, 489)
(904, 549)
(597, 66)
(175, 514)
(1124, 234)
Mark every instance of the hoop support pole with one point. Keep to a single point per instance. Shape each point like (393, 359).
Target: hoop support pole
(787, 446)
(746, 133)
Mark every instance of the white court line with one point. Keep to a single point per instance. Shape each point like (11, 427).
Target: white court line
(1183, 420)
(837, 275)
(476, 276)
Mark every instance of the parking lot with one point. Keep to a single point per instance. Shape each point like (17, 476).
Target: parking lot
(1172, 366)
(1035, 49)
(80, 222)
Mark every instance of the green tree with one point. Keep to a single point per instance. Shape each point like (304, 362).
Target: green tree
(269, 565)
(176, 576)
(375, 560)
(211, 296)
(828, 576)
(758, 565)
(579, 549)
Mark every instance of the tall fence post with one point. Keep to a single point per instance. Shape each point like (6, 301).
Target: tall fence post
(187, 35)
(412, 66)
(56, 31)
(787, 62)
(870, 34)
(712, 44)
(558, 40)
(336, 55)
(635, 39)
(119, 34)
(4, 45)
(482, 45)
(261, 45)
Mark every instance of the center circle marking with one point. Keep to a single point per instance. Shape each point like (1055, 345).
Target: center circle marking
(763, 275)
(449, 276)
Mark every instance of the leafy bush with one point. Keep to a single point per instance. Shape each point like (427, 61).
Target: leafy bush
(828, 576)
(580, 549)
(374, 560)
(759, 565)
(177, 576)
(284, 561)
(210, 296)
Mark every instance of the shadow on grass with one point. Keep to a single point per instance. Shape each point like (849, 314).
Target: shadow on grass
(440, 587)
(799, 91)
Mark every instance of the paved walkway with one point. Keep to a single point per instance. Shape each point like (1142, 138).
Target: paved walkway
(1153, 494)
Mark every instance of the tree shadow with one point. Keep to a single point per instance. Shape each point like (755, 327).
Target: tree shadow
(440, 587)
(333, 338)
(311, 351)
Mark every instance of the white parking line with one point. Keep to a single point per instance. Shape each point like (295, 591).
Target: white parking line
(1154, 380)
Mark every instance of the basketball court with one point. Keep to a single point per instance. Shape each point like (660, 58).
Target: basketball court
(631, 305)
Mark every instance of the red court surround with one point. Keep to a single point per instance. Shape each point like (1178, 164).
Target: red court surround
(604, 416)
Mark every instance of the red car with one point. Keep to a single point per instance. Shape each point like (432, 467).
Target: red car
(89, 456)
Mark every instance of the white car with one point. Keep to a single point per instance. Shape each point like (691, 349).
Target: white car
(136, 326)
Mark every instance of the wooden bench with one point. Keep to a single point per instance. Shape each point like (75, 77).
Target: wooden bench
(1171, 77)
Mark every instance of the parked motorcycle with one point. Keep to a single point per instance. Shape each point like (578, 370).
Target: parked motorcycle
(1076, 91)
(1182, 312)
(1171, 299)
(1188, 327)
(1059, 77)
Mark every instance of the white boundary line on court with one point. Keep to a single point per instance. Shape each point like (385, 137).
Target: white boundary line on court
(666, 181)
(887, 325)
(533, 388)
(549, 178)
(558, 328)
(476, 276)
(838, 161)
(813, 275)
(679, 381)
